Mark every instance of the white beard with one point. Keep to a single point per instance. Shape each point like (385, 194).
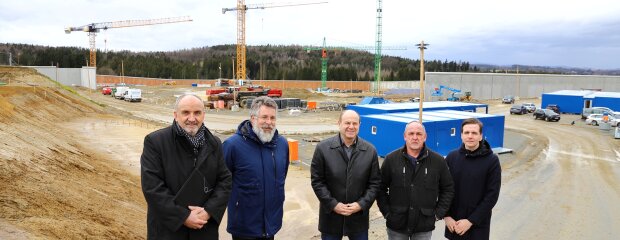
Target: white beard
(262, 135)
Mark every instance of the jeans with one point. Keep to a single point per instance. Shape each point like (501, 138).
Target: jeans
(354, 236)
(393, 235)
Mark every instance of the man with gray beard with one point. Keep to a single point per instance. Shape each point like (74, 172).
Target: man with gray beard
(258, 158)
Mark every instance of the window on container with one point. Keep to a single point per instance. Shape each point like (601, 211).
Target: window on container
(373, 130)
(452, 132)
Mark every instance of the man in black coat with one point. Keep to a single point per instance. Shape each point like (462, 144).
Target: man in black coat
(477, 177)
(169, 157)
(345, 178)
(416, 187)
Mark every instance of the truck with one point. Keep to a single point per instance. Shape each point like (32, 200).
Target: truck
(133, 95)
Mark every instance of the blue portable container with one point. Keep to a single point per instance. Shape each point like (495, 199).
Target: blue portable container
(443, 128)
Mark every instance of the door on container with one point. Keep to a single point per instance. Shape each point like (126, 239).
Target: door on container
(587, 103)
(447, 139)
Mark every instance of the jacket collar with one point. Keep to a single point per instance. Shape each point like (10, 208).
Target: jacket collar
(423, 152)
(483, 149)
(336, 143)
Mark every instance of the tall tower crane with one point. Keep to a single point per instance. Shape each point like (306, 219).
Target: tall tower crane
(324, 49)
(241, 47)
(93, 28)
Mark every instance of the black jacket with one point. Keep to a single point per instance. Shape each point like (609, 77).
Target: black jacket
(477, 179)
(412, 200)
(336, 180)
(167, 161)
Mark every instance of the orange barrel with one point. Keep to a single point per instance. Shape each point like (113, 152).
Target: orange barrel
(293, 149)
(220, 104)
(311, 105)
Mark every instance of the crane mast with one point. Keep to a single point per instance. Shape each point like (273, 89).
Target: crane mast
(240, 72)
(93, 28)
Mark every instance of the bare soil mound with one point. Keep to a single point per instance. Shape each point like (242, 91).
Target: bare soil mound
(51, 185)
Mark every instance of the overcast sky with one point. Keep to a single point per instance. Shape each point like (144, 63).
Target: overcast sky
(529, 32)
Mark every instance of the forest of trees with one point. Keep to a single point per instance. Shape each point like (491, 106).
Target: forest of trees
(263, 62)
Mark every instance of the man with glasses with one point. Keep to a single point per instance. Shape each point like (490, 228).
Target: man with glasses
(258, 158)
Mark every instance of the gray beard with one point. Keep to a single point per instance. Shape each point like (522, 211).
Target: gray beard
(262, 135)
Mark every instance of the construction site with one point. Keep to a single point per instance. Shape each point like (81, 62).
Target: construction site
(71, 141)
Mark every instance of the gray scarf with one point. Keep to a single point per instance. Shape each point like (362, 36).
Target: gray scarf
(196, 141)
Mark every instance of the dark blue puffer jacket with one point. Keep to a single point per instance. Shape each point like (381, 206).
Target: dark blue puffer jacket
(255, 207)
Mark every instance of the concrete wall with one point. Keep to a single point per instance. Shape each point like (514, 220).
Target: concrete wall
(498, 85)
(70, 76)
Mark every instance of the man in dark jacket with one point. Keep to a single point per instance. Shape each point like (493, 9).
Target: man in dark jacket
(477, 177)
(345, 177)
(169, 157)
(416, 187)
(258, 158)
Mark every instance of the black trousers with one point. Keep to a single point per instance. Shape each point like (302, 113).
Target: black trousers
(239, 238)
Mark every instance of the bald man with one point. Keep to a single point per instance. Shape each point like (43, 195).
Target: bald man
(416, 187)
(170, 156)
(345, 178)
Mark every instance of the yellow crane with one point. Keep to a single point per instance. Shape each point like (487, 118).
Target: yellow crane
(241, 8)
(93, 28)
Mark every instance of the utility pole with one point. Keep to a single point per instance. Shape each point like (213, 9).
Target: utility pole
(421, 46)
(10, 59)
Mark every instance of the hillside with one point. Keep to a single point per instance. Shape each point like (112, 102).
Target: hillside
(51, 184)
(263, 62)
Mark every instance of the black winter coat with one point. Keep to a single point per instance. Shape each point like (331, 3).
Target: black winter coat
(477, 179)
(411, 200)
(336, 180)
(167, 161)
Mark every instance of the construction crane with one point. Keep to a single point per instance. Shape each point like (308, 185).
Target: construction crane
(324, 58)
(93, 28)
(241, 47)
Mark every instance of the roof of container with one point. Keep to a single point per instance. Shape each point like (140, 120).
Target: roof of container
(605, 94)
(586, 93)
(582, 93)
(415, 106)
(431, 116)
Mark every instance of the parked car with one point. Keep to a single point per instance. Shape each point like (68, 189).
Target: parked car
(508, 99)
(595, 119)
(518, 109)
(546, 114)
(106, 91)
(530, 107)
(554, 107)
(594, 110)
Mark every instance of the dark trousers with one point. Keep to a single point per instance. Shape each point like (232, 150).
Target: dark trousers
(240, 238)
(355, 236)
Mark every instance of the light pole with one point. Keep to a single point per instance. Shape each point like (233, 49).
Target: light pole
(421, 46)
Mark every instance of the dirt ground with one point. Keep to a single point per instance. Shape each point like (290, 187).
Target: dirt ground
(69, 168)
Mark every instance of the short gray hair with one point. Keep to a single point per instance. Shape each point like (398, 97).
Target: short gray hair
(176, 104)
(415, 121)
(262, 101)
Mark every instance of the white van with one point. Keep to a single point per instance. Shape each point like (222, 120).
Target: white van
(133, 95)
(119, 92)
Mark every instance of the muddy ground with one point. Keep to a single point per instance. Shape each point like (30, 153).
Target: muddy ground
(69, 167)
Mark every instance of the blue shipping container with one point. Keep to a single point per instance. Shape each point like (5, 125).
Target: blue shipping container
(443, 128)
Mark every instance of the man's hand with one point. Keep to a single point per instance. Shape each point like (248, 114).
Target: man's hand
(197, 218)
(202, 213)
(450, 223)
(354, 207)
(462, 226)
(342, 209)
